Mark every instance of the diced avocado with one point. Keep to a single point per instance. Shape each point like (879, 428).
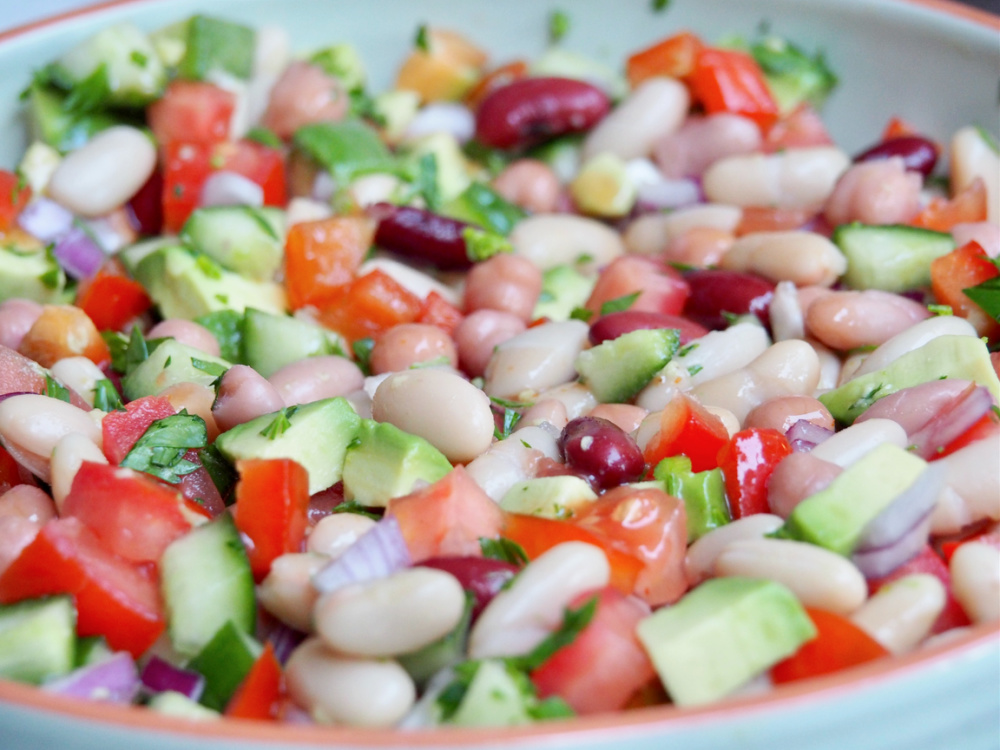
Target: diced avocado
(37, 639)
(564, 289)
(215, 45)
(396, 109)
(170, 43)
(557, 61)
(703, 493)
(483, 206)
(451, 175)
(184, 284)
(344, 62)
(244, 239)
(384, 462)
(346, 149)
(224, 662)
(792, 75)
(721, 635)
(548, 497)
(272, 341)
(618, 369)
(32, 274)
(836, 517)
(494, 698)
(316, 435)
(51, 121)
(227, 328)
(894, 258)
(603, 187)
(960, 357)
(38, 164)
(172, 703)
(134, 254)
(124, 57)
(170, 363)
(432, 658)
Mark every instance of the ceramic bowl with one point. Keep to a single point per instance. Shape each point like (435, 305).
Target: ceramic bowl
(932, 63)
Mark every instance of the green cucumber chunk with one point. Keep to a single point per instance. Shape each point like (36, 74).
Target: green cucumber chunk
(168, 364)
(894, 258)
(213, 45)
(548, 497)
(703, 493)
(37, 639)
(52, 121)
(616, 370)
(31, 274)
(272, 341)
(346, 149)
(224, 663)
(444, 652)
(249, 240)
(483, 206)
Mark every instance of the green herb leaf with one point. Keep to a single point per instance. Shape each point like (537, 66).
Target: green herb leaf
(686, 350)
(209, 368)
(694, 370)
(160, 451)
(581, 313)
(451, 697)
(106, 396)
(427, 181)
(510, 420)
(422, 40)
(227, 327)
(660, 5)
(509, 404)
(221, 472)
(987, 296)
(90, 94)
(481, 244)
(54, 389)
(940, 309)
(353, 506)
(280, 423)
(362, 349)
(574, 621)
(264, 136)
(558, 26)
(503, 549)
(619, 304)
(730, 317)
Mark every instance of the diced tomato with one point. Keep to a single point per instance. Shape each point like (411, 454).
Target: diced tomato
(114, 597)
(19, 374)
(11, 472)
(537, 535)
(437, 311)
(134, 515)
(257, 162)
(447, 518)
(14, 196)
(369, 306)
(444, 70)
(111, 298)
(63, 331)
(605, 664)
(800, 128)
(729, 80)
(493, 80)
(120, 429)
(747, 462)
(966, 206)
(839, 644)
(322, 256)
(991, 538)
(984, 428)
(259, 695)
(687, 429)
(771, 219)
(897, 128)
(960, 269)
(647, 524)
(193, 112)
(660, 287)
(928, 561)
(272, 503)
(673, 57)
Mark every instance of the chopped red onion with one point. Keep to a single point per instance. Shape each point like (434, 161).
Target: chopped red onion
(45, 219)
(443, 117)
(114, 680)
(950, 423)
(323, 187)
(224, 188)
(881, 561)
(377, 553)
(159, 676)
(78, 254)
(805, 435)
(284, 640)
(903, 513)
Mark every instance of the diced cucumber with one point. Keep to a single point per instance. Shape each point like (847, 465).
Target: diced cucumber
(703, 493)
(450, 173)
(51, 121)
(618, 369)
(344, 62)
(496, 697)
(481, 205)
(37, 639)
(206, 582)
(548, 497)
(244, 239)
(214, 45)
(564, 288)
(894, 258)
(170, 363)
(272, 341)
(32, 274)
(171, 703)
(793, 76)
(227, 327)
(346, 149)
(224, 663)
(91, 650)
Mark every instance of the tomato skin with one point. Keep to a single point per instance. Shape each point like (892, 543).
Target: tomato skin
(135, 516)
(726, 80)
(839, 644)
(11, 472)
(437, 311)
(661, 288)
(121, 429)
(114, 598)
(14, 196)
(966, 206)
(606, 664)
(800, 128)
(323, 256)
(960, 269)
(259, 695)
(369, 306)
(191, 111)
(687, 429)
(674, 57)
(747, 462)
(111, 299)
(272, 506)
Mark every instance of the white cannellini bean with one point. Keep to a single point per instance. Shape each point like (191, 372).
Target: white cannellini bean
(975, 580)
(443, 408)
(520, 617)
(575, 397)
(699, 563)
(818, 577)
(67, 456)
(334, 533)
(829, 366)
(555, 239)
(105, 172)
(35, 423)
(972, 487)
(804, 258)
(847, 446)
(656, 108)
(793, 178)
(787, 321)
(650, 233)
(913, 338)
(80, 374)
(301, 209)
(664, 387)
(442, 117)
(390, 616)
(901, 614)
(336, 689)
(787, 368)
(373, 188)
(287, 591)
(540, 439)
(728, 419)
(506, 463)
(719, 353)
(539, 358)
(972, 157)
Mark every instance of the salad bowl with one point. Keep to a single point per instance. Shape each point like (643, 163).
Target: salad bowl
(932, 63)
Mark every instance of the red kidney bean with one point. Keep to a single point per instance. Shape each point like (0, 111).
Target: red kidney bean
(918, 154)
(420, 234)
(146, 206)
(483, 577)
(601, 451)
(323, 502)
(714, 291)
(613, 325)
(529, 110)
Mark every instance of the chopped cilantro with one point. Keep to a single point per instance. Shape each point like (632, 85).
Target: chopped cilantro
(90, 94)
(481, 244)
(280, 423)
(209, 368)
(106, 396)
(573, 623)
(731, 318)
(558, 25)
(581, 313)
(510, 420)
(362, 349)
(51, 278)
(509, 404)
(694, 370)
(139, 58)
(987, 296)
(221, 472)
(504, 550)
(263, 136)
(208, 266)
(940, 309)
(619, 304)
(55, 389)
(686, 350)
(426, 181)
(353, 506)
(160, 451)
(422, 41)
(660, 5)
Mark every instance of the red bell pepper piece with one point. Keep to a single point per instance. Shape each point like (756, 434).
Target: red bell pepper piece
(728, 80)
(747, 462)
(259, 695)
(687, 429)
(839, 644)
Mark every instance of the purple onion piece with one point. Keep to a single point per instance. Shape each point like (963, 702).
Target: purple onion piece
(376, 554)
(942, 429)
(805, 435)
(881, 561)
(114, 680)
(45, 219)
(78, 254)
(283, 638)
(159, 675)
(903, 513)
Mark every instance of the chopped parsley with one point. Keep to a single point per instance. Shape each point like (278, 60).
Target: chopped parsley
(660, 5)
(362, 349)
(510, 404)
(481, 244)
(353, 506)
(619, 304)
(503, 549)
(694, 370)
(106, 396)
(940, 309)
(581, 313)
(558, 25)
(161, 449)
(280, 423)
(686, 350)
(422, 40)
(510, 420)
(264, 136)
(55, 389)
(987, 296)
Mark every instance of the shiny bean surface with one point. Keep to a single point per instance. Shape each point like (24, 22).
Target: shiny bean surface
(627, 417)
(80, 374)
(537, 359)
(650, 234)
(901, 614)
(975, 579)
(24, 509)
(243, 394)
(653, 110)
(315, 378)
(480, 333)
(782, 412)
(186, 332)
(852, 443)
(334, 533)
(796, 477)
(16, 318)
(69, 452)
(850, 320)
(699, 563)
(601, 451)
(287, 591)
(36, 423)
(509, 283)
(913, 338)
(804, 258)
(550, 240)
(530, 184)
(410, 344)
(918, 154)
(702, 141)
(875, 192)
